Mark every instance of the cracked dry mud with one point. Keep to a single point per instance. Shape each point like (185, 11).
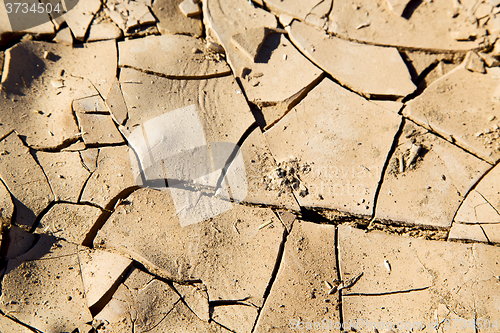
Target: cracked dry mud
(251, 166)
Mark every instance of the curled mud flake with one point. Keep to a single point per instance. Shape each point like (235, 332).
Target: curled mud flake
(414, 152)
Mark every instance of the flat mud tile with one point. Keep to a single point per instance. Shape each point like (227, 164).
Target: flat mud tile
(98, 129)
(171, 56)
(65, 173)
(25, 180)
(211, 250)
(466, 231)
(426, 179)
(367, 69)
(53, 280)
(171, 21)
(332, 147)
(116, 316)
(190, 8)
(464, 108)
(474, 63)
(487, 259)
(426, 25)
(308, 261)
(70, 222)
(218, 103)
(368, 253)
(138, 306)
(263, 185)
(422, 273)
(41, 82)
(238, 318)
(480, 211)
(271, 78)
(64, 37)
(79, 17)
(287, 219)
(196, 298)
(89, 158)
(90, 104)
(389, 105)
(100, 271)
(116, 103)
(112, 177)
(104, 31)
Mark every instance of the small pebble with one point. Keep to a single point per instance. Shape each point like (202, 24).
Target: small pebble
(363, 25)
(387, 265)
(57, 83)
(328, 285)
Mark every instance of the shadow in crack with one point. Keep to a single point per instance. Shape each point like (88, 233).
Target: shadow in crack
(106, 213)
(258, 115)
(411, 68)
(24, 67)
(270, 44)
(411, 7)
(42, 246)
(23, 216)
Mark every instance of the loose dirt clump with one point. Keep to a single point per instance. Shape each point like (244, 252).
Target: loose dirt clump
(408, 156)
(287, 177)
(490, 137)
(410, 231)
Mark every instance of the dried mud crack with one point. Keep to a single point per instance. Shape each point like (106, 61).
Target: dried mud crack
(250, 166)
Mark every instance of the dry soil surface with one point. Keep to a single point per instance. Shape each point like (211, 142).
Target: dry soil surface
(250, 166)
